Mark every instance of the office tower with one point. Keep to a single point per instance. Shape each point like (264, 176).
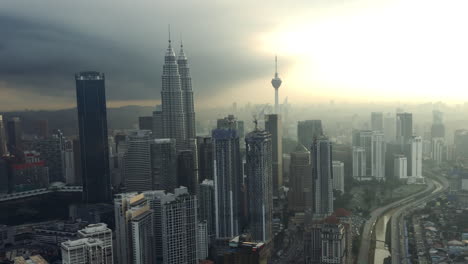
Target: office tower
(92, 122)
(377, 121)
(416, 157)
(164, 164)
(186, 170)
(231, 122)
(205, 158)
(378, 155)
(308, 130)
(276, 82)
(137, 162)
(300, 182)
(158, 131)
(259, 171)
(14, 135)
(437, 128)
(172, 99)
(133, 229)
(389, 128)
(359, 163)
(3, 139)
(227, 182)
(69, 163)
(461, 143)
(175, 225)
(83, 251)
(274, 127)
(338, 176)
(322, 176)
(202, 240)
(102, 232)
(187, 93)
(52, 152)
(401, 167)
(207, 209)
(404, 123)
(437, 151)
(145, 123)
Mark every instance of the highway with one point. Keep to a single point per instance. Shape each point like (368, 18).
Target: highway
(367, 237)
(399, 245)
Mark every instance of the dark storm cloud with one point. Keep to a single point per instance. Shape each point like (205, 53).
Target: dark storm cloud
(40, 55)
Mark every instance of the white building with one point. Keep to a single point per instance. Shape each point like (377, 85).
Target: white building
(359, 163)
(102, 232)
(202, 240)
(338, 176)
(438, 146)
(416, 157)
(400, 167)
(83, 251)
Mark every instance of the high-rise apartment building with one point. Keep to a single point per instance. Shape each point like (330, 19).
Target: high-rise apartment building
(378, 155)
(308, 130)
(400, 167)
(377, 121)
(274, 127)
(338, 176)
(300, 182)
(102, 232)
(137, 162)
(227, 182)
(94, 150)
(202, 240)
(416, 157)
(322, 176)
(164, 164)
(259, 158)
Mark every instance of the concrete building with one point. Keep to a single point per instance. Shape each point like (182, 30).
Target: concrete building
(416, 157)
(438, 127)
(437, 150)
(164, 164)
(404, 127)
(322, 176)
(338, 176)
(274, 127)
(260, 184)
(308, 130)
(102, 232)
(400, 167)
(202, 240)
(378, 155)
(83, 251)
(300, 180)
(359, 163)
(137, 162)
(227, 182)
(389, 128)
(207, 209)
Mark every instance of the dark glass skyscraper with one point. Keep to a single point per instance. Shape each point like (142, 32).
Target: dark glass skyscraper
(92, 121)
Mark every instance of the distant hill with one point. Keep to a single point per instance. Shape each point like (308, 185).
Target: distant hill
(66, 119)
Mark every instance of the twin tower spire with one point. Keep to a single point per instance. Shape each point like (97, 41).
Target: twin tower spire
(178, 114)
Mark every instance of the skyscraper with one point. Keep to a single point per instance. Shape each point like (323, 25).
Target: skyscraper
(137, 162)
(187, 93)
(438, 145)
(416, 157)
(14, 135)
(404, 127)
(259, 171)
(164, 164)
(300, 173)
(274, 127)
(3, 139)
(231, 122)
(377, 123)
(437, 128)
(389, 128)
(338, 176)
(276, 82)
(400, 167)
(227, 182)
(205, 158)
(322, 175)
(187, 170)
(207, 209)
(94, 150)
(158, 131)
(378, 155)
(172, 99)
(308, 130)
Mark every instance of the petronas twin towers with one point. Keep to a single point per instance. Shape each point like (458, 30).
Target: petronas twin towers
(178, 115)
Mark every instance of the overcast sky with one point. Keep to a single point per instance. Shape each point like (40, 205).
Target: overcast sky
(379, 49)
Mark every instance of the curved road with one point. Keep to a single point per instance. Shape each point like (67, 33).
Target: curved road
(367, 234)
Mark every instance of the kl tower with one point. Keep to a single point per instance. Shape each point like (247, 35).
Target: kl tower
(276, 82)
